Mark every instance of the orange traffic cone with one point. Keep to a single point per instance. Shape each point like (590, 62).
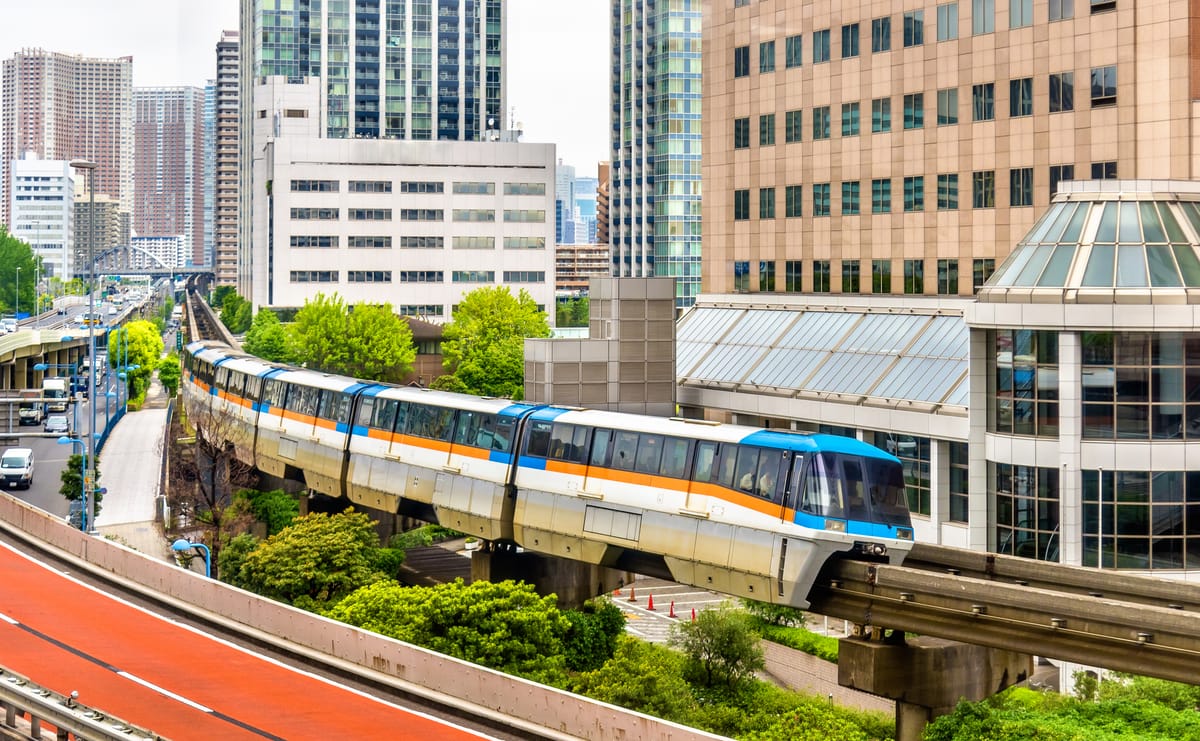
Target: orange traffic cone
(632, 595)
(617, 592)
(672, 612)
(650, 605)
(693, 614)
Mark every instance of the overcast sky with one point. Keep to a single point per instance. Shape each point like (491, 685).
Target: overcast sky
(558, 55)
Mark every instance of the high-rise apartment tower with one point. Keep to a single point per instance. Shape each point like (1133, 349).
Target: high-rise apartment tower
(225, 147)
(169, 171)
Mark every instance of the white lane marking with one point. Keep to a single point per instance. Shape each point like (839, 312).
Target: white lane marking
(164, 692)
(9, 620)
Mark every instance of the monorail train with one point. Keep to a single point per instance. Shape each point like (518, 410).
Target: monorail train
(739, 510)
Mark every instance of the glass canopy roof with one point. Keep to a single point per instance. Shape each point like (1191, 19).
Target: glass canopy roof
(1137, 240)
(854, 354)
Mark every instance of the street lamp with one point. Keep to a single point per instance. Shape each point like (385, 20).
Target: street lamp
(83, 465)
(183, 545)
(91, 168)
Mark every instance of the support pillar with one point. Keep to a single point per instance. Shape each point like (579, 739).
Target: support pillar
(574, 582)
(927, 676)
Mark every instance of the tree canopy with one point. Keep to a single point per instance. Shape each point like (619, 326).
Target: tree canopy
(721, 646)
(16, 255)
(483, 348)
(364, 341)
(268, 339)
(236, 312)
(137, 344)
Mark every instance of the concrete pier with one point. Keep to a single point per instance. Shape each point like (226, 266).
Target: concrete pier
(573, 582)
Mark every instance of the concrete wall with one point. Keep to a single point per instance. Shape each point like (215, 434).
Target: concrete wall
(416, 670)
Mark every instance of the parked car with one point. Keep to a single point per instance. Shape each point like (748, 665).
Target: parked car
(16, 468)
(59, 423)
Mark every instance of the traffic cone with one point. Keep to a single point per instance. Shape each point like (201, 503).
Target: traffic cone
(672, 612)
(650, 605)
(617, 592)
(693, 614)
(632, 595)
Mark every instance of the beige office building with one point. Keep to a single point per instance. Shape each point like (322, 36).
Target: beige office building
(879, 147)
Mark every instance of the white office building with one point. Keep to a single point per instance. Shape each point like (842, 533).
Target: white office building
(151, 253)
(43, 212)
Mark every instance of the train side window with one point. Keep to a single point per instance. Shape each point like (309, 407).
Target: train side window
(402, 416)
(624, 450)
(767, 484)
(237, 383)
(254, 386)
(747, 465)
(502, 435)
(600, 444)
(560, 442)
(579, 444)
(328, 406)
(222, 377)
(674, 459)
(343, 407)
(539, 439)
(728, 460)
(820, 498)
(649, 453)
(795, 482)
(706, 455)
(467, 427)
(275, 393)
(385, 414)
(366, 412)
(856, 492)
(439, 423)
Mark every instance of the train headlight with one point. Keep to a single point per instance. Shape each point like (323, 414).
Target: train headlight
(836, 525)
(872, 549)
(903, 533)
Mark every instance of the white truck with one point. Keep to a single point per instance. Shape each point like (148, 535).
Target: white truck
(30, 411)
(55, 392)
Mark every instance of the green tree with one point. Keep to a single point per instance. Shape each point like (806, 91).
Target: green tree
(233, 555)
(572, 312)
(643, 677)
(505, 626)
(366, 341)
(268, 339)
(276, 508)
(72, 482)
(484, 346)
(316, 561)
(592, 639)
(721, 646)
(16, 255)
(218, 296)
(169, 373)
(138, 344)
(236, 313)
(812, 720)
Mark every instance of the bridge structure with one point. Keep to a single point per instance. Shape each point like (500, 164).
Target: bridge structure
(132, 260)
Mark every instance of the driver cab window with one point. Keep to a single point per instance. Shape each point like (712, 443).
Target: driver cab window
(821, 494)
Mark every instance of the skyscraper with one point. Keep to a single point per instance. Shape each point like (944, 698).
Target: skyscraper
(225, 161)
(169, 172)
(210, 171)
(65, 107)
(655, 188)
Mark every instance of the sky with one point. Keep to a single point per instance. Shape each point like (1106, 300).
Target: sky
(558, 55)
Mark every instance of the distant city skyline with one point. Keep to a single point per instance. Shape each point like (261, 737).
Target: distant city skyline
(556, 98)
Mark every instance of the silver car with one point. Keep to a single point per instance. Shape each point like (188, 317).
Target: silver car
(59, 423)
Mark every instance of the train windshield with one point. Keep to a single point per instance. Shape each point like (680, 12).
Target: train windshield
(888, 499)
(851, 488)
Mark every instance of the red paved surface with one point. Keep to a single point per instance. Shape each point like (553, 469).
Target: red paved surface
(70, 637)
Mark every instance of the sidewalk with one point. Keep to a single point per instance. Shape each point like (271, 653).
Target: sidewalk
(130, 470)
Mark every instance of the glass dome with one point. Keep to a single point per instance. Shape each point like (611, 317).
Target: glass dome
(1132, 244)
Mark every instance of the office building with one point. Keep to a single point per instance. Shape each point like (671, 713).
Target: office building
(654, 195)
(564, 203)
(226, 204)
(154, 253)
(111, 228)
(67, 107)
(43, 212)
(169, 171)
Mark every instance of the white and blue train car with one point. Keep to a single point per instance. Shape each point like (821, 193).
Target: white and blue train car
(437, 456)
(743, 511)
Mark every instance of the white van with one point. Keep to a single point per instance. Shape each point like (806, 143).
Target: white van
(16, 468)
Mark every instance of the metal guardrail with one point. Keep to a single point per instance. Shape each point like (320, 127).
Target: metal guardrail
(20, 697)
(1125, 622)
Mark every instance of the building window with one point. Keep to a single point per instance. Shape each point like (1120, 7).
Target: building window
(821, 276)
(1139, 385)
(881, 115)
(1104, 86)
(913, 453)
(766, 276)
(422, 186)
(820, 120)
(474, 188)
(413, 242)
(792, 121)
(1061, 10)
(741, 133)
(947, 277)
(1100, 6)
(766, 57)
(1020, 186)
(369, 214)
(959, 487)
(323, 242)
(821, 199)
(947, 22)
(313, 276)
(881, 196)
(473, 276)
(850, 276)
(741, 204)
(517, 243)
(850, 40)
(881, 34)
(369, 243)
(487, 215)
(471, 243)
(741, 276)
(766, 130)
(914, 193)
(524, 189)
(422, 214)
(1062, 92)
(914, 28)
(914, 111)
(741, 61)
(792, 195)
(369, 186)
(849, 119)
(524, 276)
(914, 276)
(981, 269)
(525, 216)
(1058, 173)
(947, 106)
(793, 49)
(792, 272)
(983, 16)
(1023, 368)
(1020, 97)
(314, 186)
(1141, 519)
(821, 46)
(881, 276)
(1104, 171)
(1026, 501)
(419, 310)
(850, 197)
(983, 101)
(983, 189)
(1020, 13)
(766, 203)
(369, 276)
(316, 214)
(947, 192)
(421, 276)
